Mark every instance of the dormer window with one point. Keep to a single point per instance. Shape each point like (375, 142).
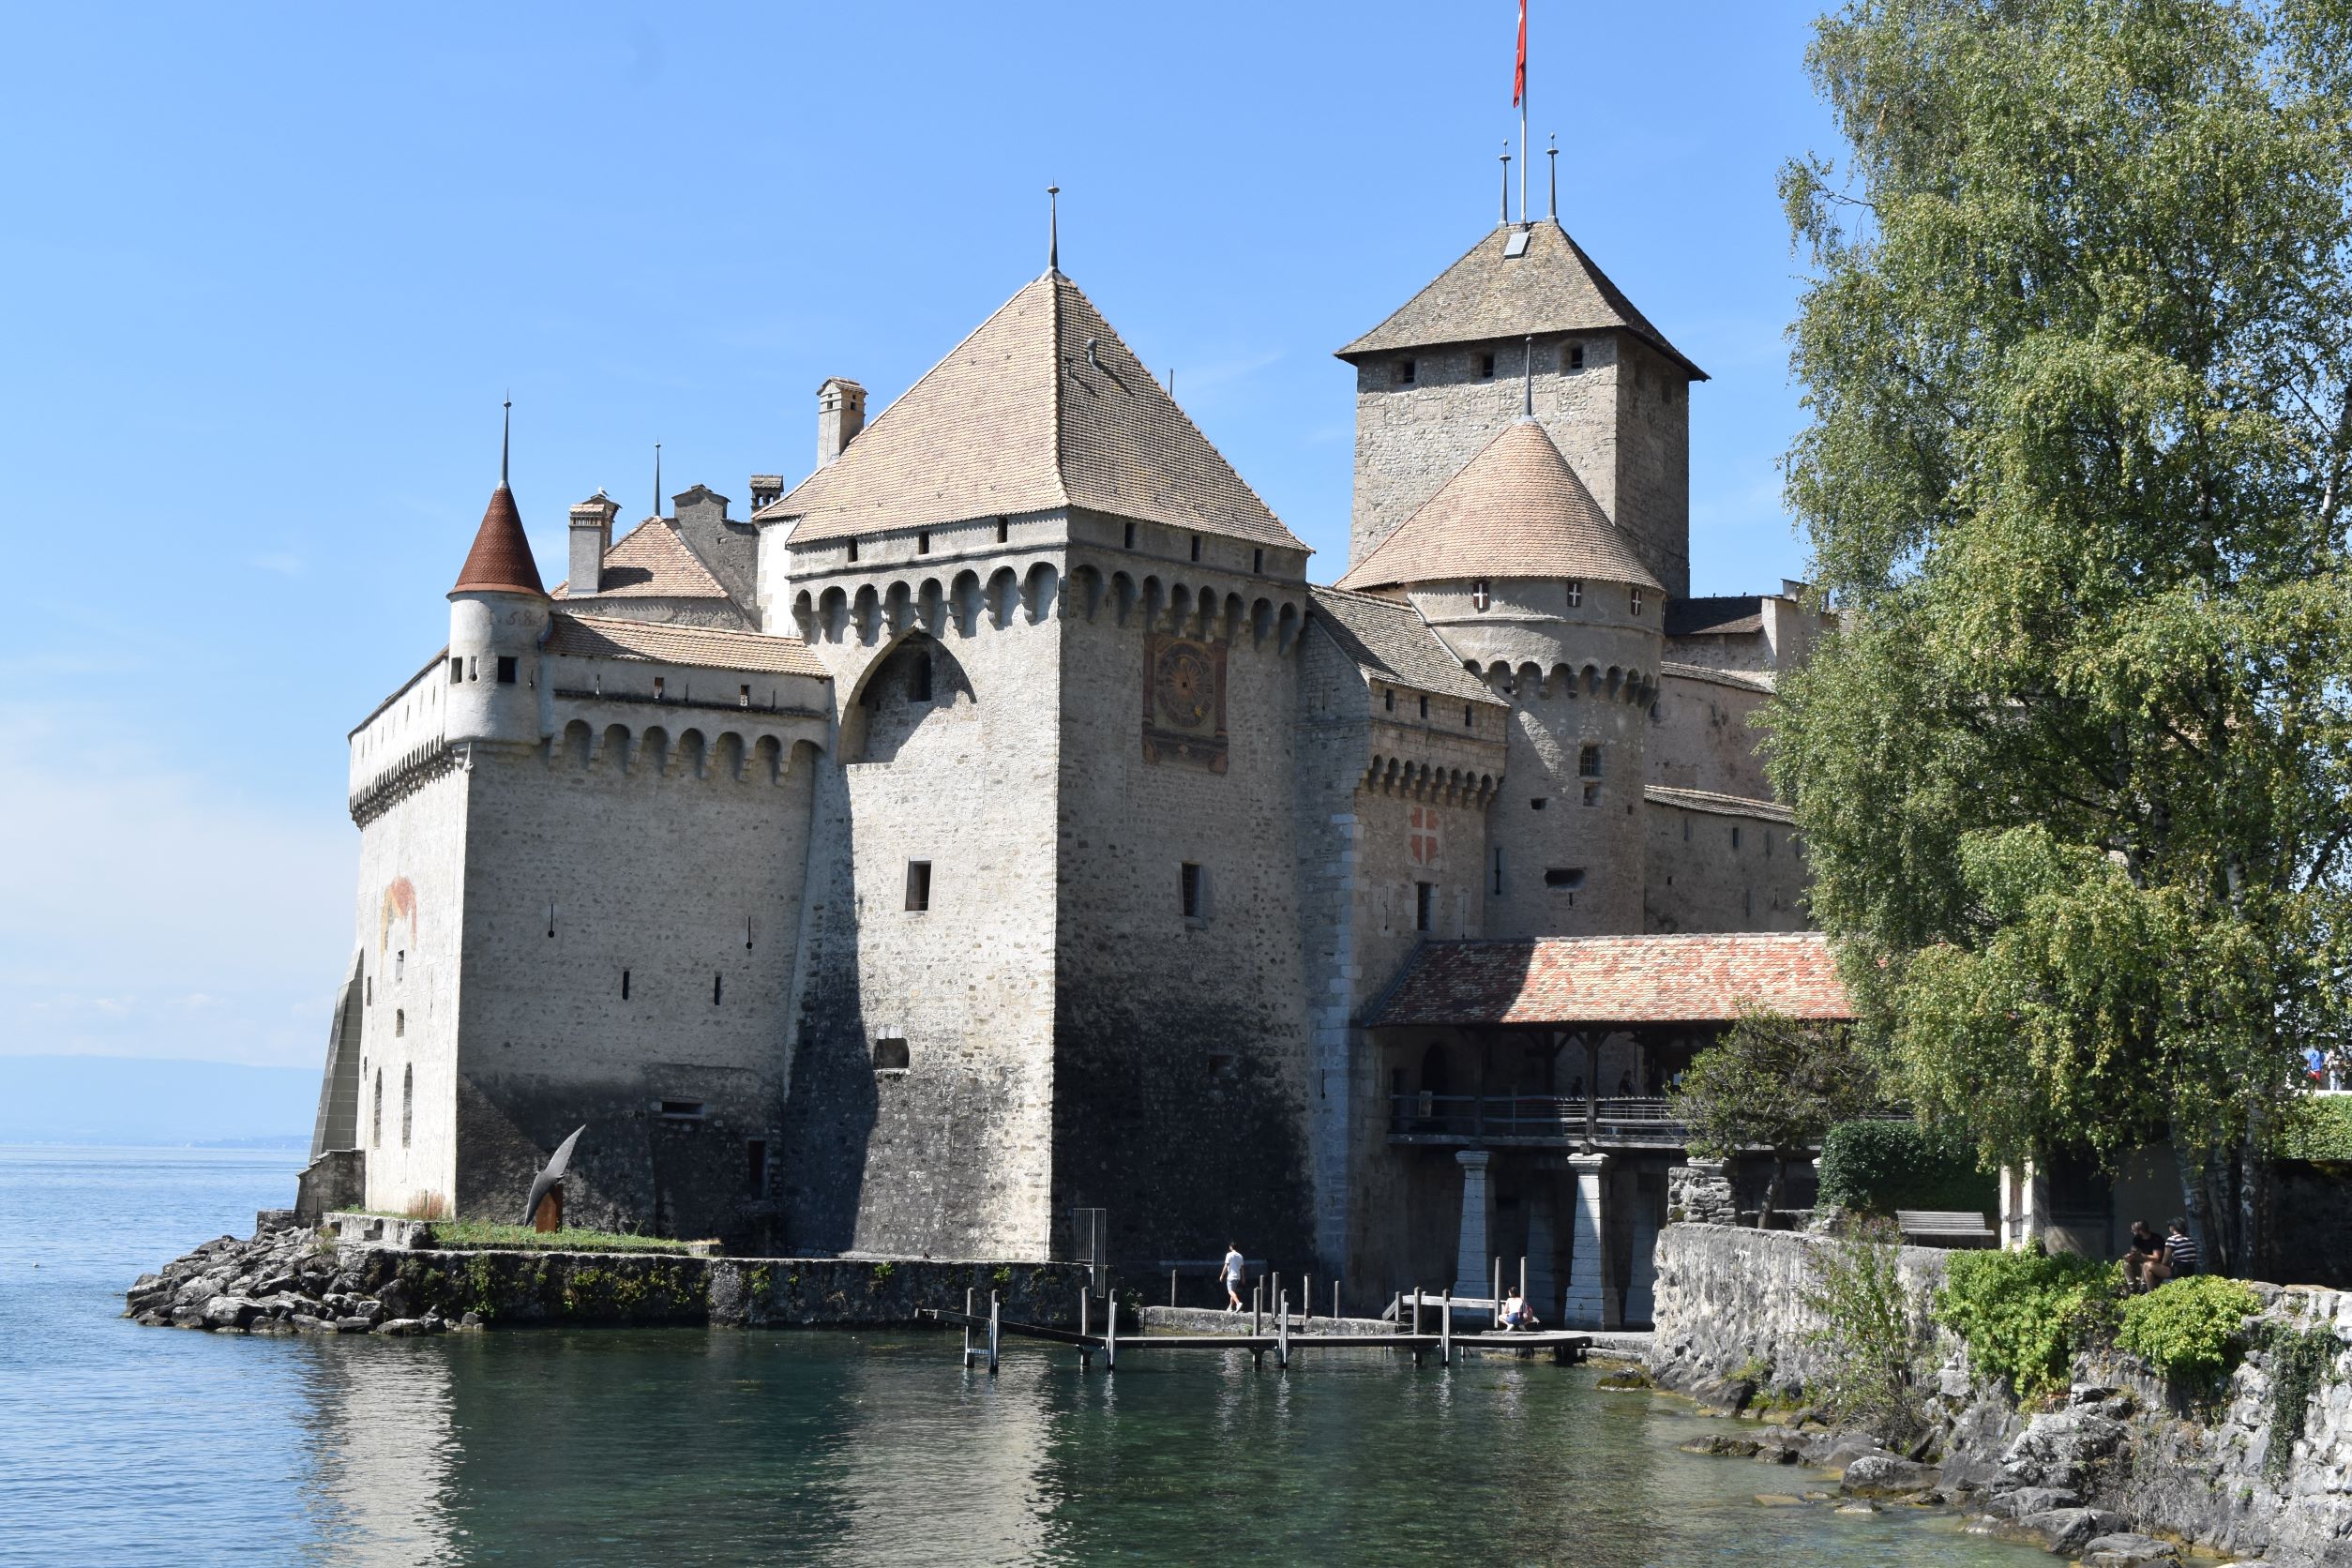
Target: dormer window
(1485, 366)
(1576, 593)
(1637, 601)
(1482, 594)
(1406, 373)
(1576, 357)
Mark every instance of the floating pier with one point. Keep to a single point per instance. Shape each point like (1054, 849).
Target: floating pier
(1281, 1339)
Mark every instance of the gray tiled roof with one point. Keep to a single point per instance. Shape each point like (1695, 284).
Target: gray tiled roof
(1486, 295)
(652, 562)
(609, 637)
(1720, 805)
(1020, 417)
(1720, 614)
(1392, 640)
(1516, 509)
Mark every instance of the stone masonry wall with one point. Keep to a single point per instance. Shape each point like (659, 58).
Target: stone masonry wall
(1699, 878)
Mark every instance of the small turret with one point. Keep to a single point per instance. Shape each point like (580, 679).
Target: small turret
(498, 613)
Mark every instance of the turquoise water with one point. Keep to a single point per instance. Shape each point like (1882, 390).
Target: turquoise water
(125, 1444)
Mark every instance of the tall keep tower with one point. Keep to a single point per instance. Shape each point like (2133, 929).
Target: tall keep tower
(1440, 379)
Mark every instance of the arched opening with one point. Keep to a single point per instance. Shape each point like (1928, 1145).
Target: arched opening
(907, 686)
(408, 1103)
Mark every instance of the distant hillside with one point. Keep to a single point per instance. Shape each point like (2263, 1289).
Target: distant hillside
(119, 1099)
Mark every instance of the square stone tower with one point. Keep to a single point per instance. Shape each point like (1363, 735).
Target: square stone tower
(1436, 381)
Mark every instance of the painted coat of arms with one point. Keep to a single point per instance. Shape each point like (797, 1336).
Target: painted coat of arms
(1183, 701)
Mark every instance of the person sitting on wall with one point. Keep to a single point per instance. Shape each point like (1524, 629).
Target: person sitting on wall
(2146, 1252)
(2180, 1251)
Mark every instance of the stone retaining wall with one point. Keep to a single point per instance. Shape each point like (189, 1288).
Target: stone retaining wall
(2122, 1440)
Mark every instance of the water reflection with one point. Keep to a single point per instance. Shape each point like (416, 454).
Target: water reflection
(384, 1439)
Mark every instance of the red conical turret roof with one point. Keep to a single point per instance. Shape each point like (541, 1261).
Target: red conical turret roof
(500, 561)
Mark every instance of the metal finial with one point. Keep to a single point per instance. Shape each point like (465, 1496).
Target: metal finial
(505, 439)
(1053, 228)
(1527, 380)
(657, 479)
(1506, 182)
(1552, 152)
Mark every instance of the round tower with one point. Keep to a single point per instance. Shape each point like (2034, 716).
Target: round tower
(498, 615)
(1516, 568)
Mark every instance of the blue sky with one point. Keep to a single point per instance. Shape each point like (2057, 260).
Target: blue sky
(269, 271)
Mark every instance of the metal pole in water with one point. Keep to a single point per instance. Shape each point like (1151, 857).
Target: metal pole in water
(1281, 1333)
(1497, 1295)
(1445, 1329)
(1256, 1301)
(966, 1326)
(1335, 1298)
(1086, 1356)
(1111, 1333)
(1171, 1287)
(992, 1332)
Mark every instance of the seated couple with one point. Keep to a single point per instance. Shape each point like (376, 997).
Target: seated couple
(2151, 1262)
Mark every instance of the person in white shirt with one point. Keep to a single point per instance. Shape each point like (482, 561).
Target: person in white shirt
(1516, 1313)
(1233, 1267)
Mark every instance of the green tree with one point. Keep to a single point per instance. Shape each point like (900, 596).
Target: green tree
(1773, 1082)
(2072, 773)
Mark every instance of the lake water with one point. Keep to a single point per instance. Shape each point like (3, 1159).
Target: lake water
(125, 1444)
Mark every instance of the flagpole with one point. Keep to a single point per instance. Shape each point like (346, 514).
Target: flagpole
(1523, 111)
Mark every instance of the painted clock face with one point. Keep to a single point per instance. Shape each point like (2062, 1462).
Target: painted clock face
(1186, 684)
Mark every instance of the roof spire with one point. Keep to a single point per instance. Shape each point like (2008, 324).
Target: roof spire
(1552, 152)
(505, 439)
(1053, 230)
(1527, 380)
(657, 479)
(1506, 182)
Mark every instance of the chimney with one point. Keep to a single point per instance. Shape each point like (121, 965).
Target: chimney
(592, 540)
(840, 414)
(766, 489)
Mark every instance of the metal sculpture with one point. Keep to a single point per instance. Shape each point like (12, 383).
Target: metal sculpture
(551, 1177)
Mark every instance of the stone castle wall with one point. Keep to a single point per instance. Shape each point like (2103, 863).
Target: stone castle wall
(1700, 879)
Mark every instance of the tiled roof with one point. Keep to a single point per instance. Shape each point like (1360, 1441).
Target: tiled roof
(500, 561)
(1516, 509)
(652, 562)
(1487, 294)
(1719, 615)
(1392, 640)
(1746, 680)
(1614, 980)
(609, 637)
(1722, 806)
(1021, 418)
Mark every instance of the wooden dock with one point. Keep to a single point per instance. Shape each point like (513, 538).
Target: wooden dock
(983, 1336)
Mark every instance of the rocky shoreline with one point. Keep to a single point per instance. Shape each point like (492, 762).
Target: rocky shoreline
(283, 1280)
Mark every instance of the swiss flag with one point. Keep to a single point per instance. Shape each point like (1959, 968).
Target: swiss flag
(1518, 75)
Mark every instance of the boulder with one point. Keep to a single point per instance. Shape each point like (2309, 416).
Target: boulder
(1885, 1476)
(2033, 1500)
(1734, 1448)
(231, 1312)
(354, 1325)
(401, 1326)
(2126, 1549)
(2067, 1530)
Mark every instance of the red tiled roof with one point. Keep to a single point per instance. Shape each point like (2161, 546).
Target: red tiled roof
(1614, 980)
(500, 561)
(651, 561)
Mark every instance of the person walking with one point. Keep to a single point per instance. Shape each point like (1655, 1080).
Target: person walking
(2180, 1250)
(1233, 1268)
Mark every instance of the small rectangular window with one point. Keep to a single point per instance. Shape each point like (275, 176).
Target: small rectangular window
(400, 1022)
(1424, 905)
(506, 669)
(456, 671)
(923, 542)
(683, 1110)
(890, 1055)
(1470, 719)
(1576, 592)
(1686, 830)
(399, 962)
(718, 989)
(919, 679)
(1388, 699)
(473, 668)
(625, 985)
(1498, 869)
(1004, 530)
(1735, 837)
(1538, 803)
(371, 990)
(1592, 795)
(852, 551)
(1637, 601)
(1258, 561)
(1189, 889)
(742, 696)
(660, 685)
(1196, 546)
(1485, 366)
(1566, 878)
(1575, 356)
(1128, 540)
(1424, 706)
(918, 885)
(1406, 373)
(1588, 762)
(755, 1166)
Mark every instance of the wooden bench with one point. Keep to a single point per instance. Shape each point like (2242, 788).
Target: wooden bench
(1944, 1228)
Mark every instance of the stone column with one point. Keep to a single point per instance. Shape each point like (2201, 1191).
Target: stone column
(1469, 1255)
(1592, 1302)
(1699, 1193)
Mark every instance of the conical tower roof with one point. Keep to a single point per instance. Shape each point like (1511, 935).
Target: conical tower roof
(1516, 509)
(500, 561)
(1041, 407)
(1552, 286)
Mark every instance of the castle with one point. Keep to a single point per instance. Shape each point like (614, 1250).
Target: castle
(998, 825)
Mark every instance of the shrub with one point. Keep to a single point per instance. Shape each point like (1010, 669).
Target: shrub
(2302, 1363)
(2318, 1128)
(1868, 1334)
(2025, 1314)
(1879, 1166)
(2187, 1329)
